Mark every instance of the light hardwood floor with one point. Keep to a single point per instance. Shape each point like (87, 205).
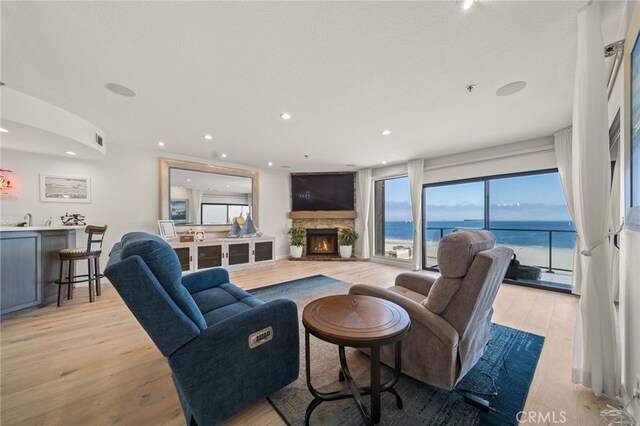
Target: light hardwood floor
(92, 364)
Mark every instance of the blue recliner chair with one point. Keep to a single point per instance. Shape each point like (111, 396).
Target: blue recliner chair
(226, 349)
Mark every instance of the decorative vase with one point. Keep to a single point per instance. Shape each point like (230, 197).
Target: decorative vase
(295, 251)
(345, 251)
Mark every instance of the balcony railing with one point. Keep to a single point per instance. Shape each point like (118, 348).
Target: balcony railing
(550, 268)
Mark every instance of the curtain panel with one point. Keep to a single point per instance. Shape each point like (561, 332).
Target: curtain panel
(415, 170)
(595, 354)
(364, 206)
(563, 158)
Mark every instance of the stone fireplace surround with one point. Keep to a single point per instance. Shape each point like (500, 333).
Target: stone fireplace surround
(338, 224)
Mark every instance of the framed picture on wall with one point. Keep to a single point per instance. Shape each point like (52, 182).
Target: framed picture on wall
(65, 189)
(179, 210)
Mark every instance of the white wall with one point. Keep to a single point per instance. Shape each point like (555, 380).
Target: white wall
(125, 192)
(531, 155)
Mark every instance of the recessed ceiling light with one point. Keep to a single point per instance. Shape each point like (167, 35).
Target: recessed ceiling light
(160, 143)
(511, 88)
(386, 132)
(285, 116)
(188, 180)
(208, 137)
(2, 130)
(270, 163)
(467, 4)
(228, 186)
(121, 90)
(224, 155)
(384, 162)
(70, 153)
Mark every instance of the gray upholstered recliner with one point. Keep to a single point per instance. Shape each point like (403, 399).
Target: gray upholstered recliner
(450, 315)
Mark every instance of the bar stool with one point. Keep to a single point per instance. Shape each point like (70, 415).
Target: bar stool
(92, 255)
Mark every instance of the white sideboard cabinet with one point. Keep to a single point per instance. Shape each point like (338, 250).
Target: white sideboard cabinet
(229, 253)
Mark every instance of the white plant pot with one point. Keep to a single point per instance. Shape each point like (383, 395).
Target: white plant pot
(295, 251)
(345, 251)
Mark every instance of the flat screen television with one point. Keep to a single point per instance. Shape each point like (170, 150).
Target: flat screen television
(331, 191)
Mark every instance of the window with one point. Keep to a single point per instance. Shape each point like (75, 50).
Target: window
(535, 204)
(450, 207)
(393, 219)
(221, 214)
(526, 212)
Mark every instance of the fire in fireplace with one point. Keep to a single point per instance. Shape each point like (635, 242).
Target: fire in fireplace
(322, 241)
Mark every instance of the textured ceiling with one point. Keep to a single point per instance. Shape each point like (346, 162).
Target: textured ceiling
(344, 70)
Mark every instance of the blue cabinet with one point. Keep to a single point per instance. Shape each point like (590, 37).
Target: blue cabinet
(20, 271)
(29, 265)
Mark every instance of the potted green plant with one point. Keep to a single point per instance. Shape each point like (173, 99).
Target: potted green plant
(346, 238)
(297, 238)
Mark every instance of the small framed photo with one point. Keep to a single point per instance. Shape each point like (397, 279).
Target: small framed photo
(65, 189)
(167, 229)
(200, 235)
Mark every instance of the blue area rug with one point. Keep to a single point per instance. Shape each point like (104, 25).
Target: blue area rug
(503, 375)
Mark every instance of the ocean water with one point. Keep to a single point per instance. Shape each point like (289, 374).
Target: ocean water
(529, 233)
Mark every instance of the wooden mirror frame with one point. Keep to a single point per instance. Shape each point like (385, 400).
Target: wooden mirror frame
(166, 164)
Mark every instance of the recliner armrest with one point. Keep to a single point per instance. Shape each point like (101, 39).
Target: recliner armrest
(419, 282)
(210, 365)
(205, 279)
(418, 313)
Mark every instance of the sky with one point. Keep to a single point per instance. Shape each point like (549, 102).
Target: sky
(525, 198)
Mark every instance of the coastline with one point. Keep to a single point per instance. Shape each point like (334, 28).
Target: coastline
(526, 255)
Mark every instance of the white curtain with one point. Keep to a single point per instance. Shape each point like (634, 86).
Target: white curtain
(364, 203)
(415, 171)
(614, 204)
(564, 158)
(196, 200)
(595, 354)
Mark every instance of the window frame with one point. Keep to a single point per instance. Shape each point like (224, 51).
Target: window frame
(219, 204)
(487, 218)
(372, 247)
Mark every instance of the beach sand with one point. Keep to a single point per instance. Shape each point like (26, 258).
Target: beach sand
(527, 255)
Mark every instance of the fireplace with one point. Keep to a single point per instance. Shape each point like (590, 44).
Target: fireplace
(322, 242)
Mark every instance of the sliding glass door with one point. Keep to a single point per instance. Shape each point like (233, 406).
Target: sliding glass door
(393, 219)
(449, 207)
(530, 215)
(526, 212)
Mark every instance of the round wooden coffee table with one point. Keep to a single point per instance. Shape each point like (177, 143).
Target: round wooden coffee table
(362, 322)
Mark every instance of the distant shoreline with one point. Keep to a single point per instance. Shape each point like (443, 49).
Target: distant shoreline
(527, 255)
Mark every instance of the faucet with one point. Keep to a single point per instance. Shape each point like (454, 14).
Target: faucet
(28, 217)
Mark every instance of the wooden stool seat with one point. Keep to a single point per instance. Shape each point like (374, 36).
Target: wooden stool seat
(78, 253)
(92, 255)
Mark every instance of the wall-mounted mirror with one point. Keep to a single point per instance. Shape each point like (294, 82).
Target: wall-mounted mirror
(205, 196)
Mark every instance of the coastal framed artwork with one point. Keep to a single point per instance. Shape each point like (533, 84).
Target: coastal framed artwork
(179, 210)
(65, 189)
